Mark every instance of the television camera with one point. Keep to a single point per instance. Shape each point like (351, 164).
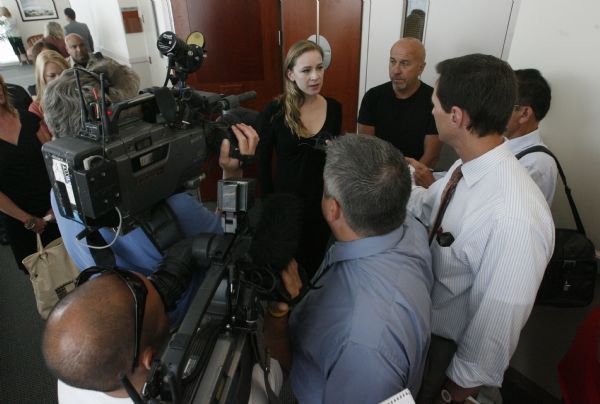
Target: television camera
(129, 164)
(125, 165)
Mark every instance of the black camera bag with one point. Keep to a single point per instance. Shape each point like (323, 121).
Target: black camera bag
(570, 276)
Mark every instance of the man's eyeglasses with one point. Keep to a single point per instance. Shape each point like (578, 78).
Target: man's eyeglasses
(139, 291)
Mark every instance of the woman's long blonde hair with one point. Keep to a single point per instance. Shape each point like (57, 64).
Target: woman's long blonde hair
(292, 97)
(45, 57)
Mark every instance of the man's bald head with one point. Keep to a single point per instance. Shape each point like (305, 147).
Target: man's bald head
(77, 49)
(89, 336)
(407, 61)
(413, 45)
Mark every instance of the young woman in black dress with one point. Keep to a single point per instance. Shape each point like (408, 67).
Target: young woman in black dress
(24, 183)
(295, 126)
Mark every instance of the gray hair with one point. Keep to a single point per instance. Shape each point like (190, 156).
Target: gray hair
(54, 29)
(370, 180)
(61, 98)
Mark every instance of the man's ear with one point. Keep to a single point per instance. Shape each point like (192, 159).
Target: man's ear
(332, 210)
(146, 358)
(459, 117)
(525, 114)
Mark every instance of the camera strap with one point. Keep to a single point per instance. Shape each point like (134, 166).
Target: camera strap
(102, 256)
(161, 226)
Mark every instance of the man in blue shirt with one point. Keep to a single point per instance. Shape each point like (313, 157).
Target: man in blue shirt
(361, 335)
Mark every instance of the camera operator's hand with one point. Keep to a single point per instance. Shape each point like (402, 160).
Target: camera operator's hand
(247, 139)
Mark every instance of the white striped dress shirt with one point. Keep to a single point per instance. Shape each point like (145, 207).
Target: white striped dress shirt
(540, 166)
(487, 279)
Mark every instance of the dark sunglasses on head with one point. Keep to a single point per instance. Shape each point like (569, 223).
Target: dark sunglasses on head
(137, 288)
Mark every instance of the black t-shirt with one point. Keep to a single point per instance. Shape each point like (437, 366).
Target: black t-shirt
(404, 123)
(23, 175)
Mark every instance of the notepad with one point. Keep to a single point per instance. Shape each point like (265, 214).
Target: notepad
(404, 397)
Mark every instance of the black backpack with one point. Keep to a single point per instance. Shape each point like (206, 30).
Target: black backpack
(570, 276)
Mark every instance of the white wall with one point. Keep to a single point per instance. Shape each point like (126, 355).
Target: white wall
(381, 27)
(104, 20)
(562, 39)
(29, 28)
(453, 28)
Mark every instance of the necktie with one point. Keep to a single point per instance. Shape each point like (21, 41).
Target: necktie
(446, 197)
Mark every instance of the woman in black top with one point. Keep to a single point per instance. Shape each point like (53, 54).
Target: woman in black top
(295, 126)
(24, 183)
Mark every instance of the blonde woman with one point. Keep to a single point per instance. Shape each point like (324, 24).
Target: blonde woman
(53, 34)
(295, 127)
(48, 67)
(24, 184)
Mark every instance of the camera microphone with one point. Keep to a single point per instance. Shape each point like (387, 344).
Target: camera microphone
(234, 101)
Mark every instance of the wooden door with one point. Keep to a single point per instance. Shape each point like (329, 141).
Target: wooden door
(340, 24)
(243, 54)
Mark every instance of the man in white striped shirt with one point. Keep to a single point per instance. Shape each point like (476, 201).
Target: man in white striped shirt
(494, 240)
(522, 130)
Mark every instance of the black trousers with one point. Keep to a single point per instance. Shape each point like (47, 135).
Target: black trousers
(17, 44)
(441, 352)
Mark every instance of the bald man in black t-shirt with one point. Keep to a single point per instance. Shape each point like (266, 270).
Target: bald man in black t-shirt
(399, 111)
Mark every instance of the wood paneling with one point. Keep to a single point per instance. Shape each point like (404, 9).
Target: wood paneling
(341, 25)
(243, 54)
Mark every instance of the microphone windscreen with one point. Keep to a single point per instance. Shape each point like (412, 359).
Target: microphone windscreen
(277, 234)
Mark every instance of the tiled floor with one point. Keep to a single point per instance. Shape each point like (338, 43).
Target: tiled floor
(16, 74)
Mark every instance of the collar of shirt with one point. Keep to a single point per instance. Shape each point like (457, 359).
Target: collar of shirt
(364, 247)
(523, 142)
(478, 168)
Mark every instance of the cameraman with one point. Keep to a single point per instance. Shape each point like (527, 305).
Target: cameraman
(361, 333)
(134, 250)
(91, 336)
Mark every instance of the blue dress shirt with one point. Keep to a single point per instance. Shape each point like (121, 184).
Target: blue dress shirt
(135, 251)
(363, 336)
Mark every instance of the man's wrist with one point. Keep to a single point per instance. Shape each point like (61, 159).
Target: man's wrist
(457, 394)
(232, 173)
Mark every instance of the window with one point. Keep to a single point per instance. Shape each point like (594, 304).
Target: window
(414, 18)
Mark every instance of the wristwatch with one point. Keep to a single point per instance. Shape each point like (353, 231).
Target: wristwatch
(446, 396)
(30, 223)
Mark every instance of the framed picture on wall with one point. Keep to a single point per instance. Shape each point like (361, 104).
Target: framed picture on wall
(32, 10)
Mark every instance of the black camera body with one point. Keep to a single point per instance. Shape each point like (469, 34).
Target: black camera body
(142, 165)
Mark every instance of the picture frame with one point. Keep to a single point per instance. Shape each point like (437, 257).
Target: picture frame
(34, 10)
